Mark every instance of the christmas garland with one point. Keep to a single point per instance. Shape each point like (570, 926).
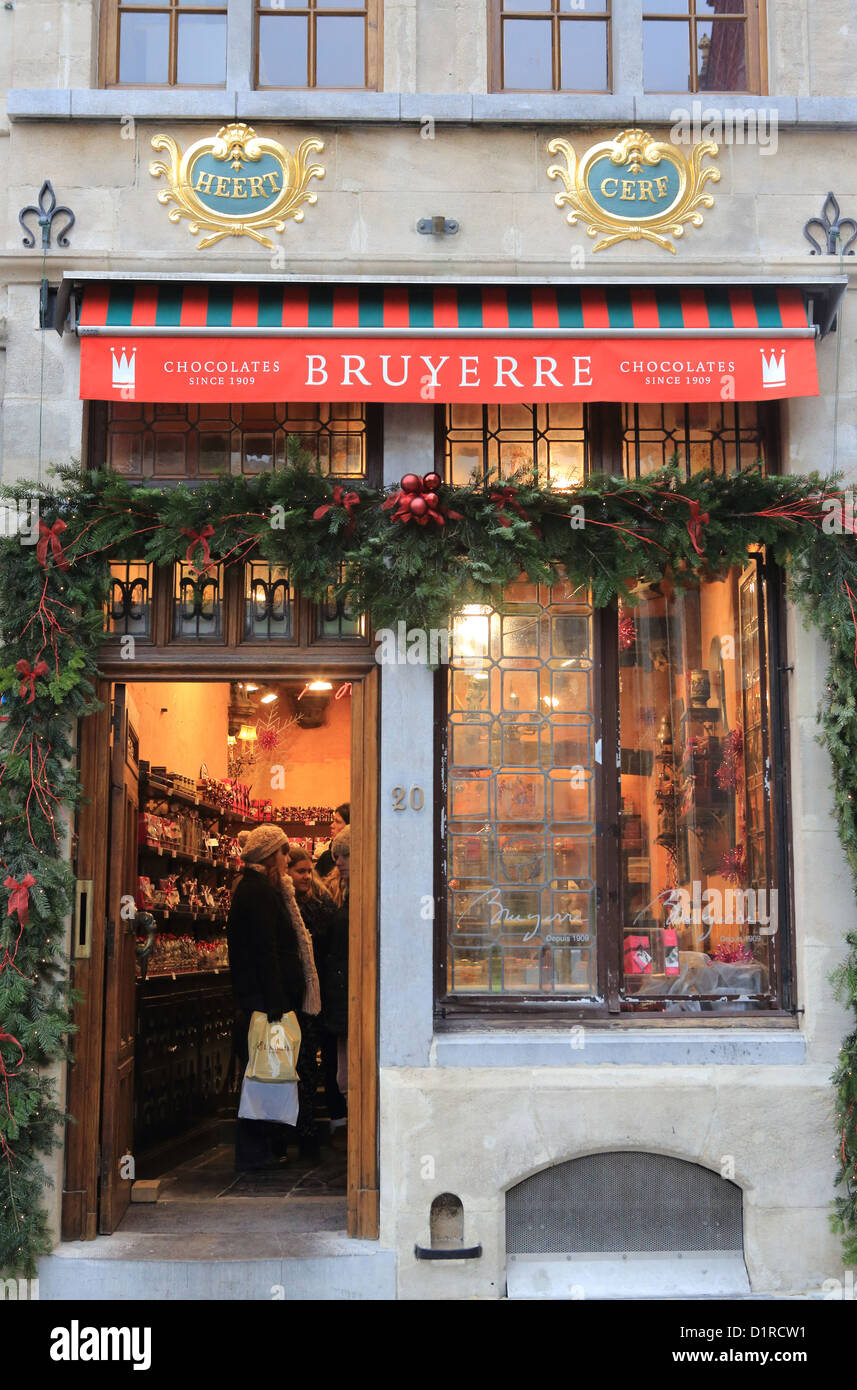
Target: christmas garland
(416, 553)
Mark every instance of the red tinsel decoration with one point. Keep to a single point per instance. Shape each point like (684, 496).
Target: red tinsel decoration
(729, 770)
(733, 865)
(627, 631)
(732, 953)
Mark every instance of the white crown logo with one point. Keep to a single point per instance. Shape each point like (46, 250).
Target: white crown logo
(773, 371)
(123, 370)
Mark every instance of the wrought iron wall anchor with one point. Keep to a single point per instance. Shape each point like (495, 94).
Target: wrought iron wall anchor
(46, 211)
(832, 225)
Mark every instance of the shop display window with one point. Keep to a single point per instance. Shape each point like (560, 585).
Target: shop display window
(178, 441)
(609, 813)
(521, 803)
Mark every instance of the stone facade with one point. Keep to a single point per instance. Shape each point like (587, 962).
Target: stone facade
(434, 141)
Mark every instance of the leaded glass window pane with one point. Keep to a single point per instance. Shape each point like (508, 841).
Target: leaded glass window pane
(521, 797)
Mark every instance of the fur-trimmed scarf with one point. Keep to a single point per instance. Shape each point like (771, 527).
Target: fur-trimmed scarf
(312, 993)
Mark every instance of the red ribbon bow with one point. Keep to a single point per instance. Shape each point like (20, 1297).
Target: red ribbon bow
(50, 536)
(29, 676)
(341, 498)
(198, 538)
(500, 496)
(19, 897)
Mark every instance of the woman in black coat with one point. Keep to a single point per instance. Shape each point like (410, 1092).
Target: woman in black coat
(265, 964)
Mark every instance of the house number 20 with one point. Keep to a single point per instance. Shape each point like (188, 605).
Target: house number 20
(403, 798)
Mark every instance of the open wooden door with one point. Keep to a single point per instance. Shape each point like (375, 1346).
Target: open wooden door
(363, 1189)
(117, 1104)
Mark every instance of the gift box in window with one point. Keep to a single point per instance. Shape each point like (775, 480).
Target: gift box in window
(149, 829)
(638, 954)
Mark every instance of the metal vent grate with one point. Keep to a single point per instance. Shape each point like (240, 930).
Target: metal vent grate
(612, 1203)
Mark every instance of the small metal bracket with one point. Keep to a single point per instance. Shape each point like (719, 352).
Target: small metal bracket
(455, 1252)
(438, 226)
(46, 211)
(831, 225)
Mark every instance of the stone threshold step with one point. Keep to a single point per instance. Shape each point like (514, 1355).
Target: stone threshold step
(315, 1267)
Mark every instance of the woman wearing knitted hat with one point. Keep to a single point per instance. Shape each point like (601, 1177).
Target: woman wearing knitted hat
(271, 963)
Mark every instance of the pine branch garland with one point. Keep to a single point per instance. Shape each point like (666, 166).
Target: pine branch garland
(607, 536)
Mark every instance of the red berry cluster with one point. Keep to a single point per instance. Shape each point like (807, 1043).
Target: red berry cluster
(418, 501)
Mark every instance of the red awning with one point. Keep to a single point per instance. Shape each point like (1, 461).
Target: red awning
(170, 341)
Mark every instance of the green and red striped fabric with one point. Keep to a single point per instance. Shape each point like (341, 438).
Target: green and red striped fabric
(169, 305)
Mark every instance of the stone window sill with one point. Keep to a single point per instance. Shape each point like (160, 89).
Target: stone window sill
(44, 104)
(573, 1047)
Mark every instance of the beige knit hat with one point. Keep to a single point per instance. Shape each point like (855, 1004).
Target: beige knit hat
(261, 843)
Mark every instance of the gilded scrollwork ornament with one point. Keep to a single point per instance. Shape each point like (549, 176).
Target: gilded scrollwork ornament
(236, 183)
(634, 188)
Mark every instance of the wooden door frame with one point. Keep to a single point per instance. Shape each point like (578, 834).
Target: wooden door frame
(80, 1196)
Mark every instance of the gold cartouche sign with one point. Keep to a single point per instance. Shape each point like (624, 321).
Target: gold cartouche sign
(634, 188)
(236, 183)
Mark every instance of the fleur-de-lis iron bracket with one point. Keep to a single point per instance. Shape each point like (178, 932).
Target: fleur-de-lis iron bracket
(47, 210)
(832, 226)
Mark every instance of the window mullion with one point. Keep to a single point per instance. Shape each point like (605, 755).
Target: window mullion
(608, 874)
(241, 21)
(626, 46)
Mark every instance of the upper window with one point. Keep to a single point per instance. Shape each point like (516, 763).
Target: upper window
(177, 43)
(184, 43)
(567, 46)
(165, 441)
(317, 43)
(552, 45)
(700, 46)
(613, 836)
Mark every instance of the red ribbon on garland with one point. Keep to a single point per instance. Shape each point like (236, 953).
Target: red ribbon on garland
(199, 537)
(50, 536)
(341, 498)
(19, 897)
(503, 496)
(29, 676)
(698, 519)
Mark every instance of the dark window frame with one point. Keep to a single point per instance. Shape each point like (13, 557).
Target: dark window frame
(454, 1010)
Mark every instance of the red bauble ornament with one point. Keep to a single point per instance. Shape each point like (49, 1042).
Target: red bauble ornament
(411, 483)
(430, 498)
(432, 481)
(418, 506)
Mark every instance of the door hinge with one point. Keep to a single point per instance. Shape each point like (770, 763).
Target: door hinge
(115, 720)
